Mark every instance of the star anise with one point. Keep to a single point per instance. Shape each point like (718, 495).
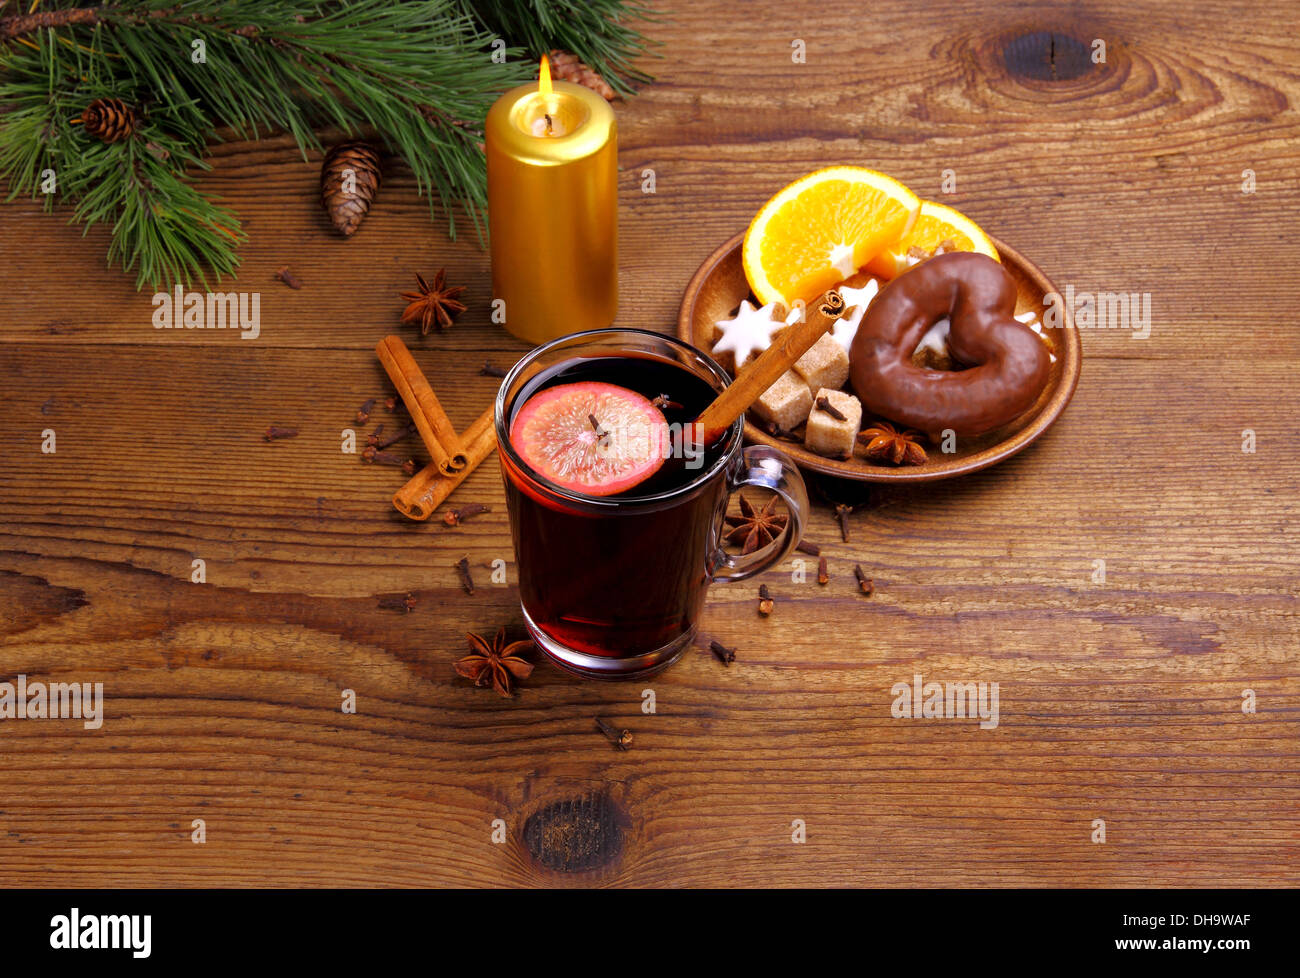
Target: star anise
(755, 527)
(433, 307)
(496, 663)
(899, 446)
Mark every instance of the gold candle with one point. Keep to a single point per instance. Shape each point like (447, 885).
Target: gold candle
(552, 170)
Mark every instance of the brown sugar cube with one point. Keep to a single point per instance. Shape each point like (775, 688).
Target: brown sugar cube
(824, 365)
(786, 403)
(828, 434)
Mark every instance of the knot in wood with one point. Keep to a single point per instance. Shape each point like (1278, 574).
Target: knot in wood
(1047, 56)
(575, 835)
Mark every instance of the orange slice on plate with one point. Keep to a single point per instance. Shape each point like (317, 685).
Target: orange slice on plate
(821, 229)
(935, 224)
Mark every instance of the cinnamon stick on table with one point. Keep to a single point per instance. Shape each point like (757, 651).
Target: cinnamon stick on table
(763, 372)
(429, 488)
(436, 431)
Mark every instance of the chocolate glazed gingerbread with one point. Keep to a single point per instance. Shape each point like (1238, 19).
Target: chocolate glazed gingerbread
(1009, 364)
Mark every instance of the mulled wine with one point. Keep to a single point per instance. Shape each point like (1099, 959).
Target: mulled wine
(615, 508)
(626, 581)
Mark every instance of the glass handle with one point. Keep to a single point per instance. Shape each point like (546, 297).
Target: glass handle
(764, 468)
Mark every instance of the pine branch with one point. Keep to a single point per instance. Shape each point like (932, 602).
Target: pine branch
(161, 226)
(420, 74)
(20, 24)
(354, 65)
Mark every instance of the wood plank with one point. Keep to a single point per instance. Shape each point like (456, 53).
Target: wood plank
(1122, 701)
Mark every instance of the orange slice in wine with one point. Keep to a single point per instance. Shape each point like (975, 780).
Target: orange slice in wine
(592, 438)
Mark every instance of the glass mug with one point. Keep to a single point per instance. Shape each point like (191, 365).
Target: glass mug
(613, 587)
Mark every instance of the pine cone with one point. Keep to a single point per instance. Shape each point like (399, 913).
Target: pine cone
(567, 66)
(348, 206)
(108, 119)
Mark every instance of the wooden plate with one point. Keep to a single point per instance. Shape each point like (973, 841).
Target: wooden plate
(719, 285)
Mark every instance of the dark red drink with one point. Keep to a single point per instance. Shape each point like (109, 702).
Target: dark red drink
(632, 580)
(612, 580)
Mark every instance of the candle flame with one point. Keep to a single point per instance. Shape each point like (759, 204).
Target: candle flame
(544, 78)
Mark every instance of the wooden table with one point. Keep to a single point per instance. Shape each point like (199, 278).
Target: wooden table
(1120, 699)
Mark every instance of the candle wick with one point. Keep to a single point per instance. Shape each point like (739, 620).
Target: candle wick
(547, 116)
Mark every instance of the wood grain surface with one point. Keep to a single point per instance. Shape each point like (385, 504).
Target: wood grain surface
(1119, 701)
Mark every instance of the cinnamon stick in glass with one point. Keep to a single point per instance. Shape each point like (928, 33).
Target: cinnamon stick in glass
(436, 431)
(788, 346)
(429, 488)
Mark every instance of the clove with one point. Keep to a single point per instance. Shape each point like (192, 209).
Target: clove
(664, 403)
(842, 514)
(865, 584)
(372, 454)
(462, 571)
(455, 517)
(765, 602)
(823, 575)
(397, 436)
(621, 739)
(363, 412)
(491, 370)
(803, 546)
(398, 604)
(725, 655)
(276, 431)
(824, 404)
(287, 277)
